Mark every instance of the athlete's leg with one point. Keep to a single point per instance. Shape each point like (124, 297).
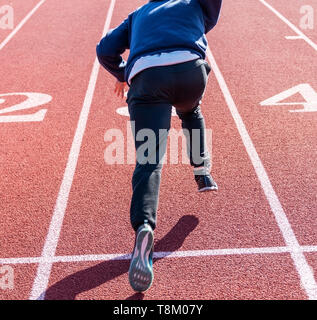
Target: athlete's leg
(189, 90)
(151, 123)
(150, 114)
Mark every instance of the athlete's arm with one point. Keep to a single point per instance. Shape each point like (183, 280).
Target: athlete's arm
(211, 10)
(111, 47)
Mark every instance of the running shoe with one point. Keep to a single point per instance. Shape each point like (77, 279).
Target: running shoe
(141, 266)
(206, 183)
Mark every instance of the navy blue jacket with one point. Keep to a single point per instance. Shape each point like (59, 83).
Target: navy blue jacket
(157, 27)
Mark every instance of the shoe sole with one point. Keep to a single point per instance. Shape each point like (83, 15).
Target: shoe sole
(213, 188)
(140, 272)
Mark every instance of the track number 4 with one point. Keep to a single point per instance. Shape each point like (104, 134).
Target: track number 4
(306, 91)
(33, 100)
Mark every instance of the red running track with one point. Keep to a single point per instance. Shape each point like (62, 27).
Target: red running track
(257, 62)
(45, 56)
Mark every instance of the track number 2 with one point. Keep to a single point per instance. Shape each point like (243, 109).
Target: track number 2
(32, 100)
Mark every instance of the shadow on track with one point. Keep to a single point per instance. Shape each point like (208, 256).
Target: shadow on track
(90, 278)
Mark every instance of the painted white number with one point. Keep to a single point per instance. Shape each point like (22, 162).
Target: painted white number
(33, 100)
(6, 278)
(307, 20)
(6, 21)
(307, 92)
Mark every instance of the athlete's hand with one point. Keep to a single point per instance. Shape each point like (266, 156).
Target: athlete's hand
(119, 89)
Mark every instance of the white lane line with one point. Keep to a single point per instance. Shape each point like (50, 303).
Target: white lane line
(22, 260)
(293, 37)
(306, 275)
(294, 28)
(156, 255)
(20, 25)
(49, 249)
